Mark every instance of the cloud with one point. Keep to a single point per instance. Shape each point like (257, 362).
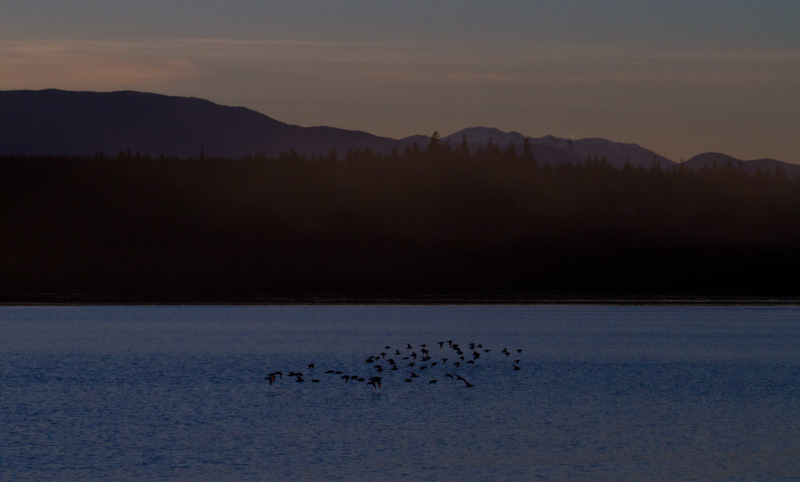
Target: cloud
(89, 65)
(138, 65)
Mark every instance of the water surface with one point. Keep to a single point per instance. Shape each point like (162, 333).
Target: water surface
(602, 393)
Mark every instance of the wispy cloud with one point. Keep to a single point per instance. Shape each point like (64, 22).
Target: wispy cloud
(100, 65)
(109, 65)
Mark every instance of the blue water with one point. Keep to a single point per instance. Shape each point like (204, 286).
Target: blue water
(602, 393)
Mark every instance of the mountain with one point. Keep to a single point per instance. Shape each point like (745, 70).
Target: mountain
(555, 150)
(478, 137)
(710, 159)
(57, 122)
(616, 153)
(51, 122)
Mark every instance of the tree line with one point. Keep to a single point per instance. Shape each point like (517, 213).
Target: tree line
(439, 220)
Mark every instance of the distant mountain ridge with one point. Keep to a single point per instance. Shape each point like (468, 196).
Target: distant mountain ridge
(58, 122)
(55, 122)
(712, 159)
(571, 150)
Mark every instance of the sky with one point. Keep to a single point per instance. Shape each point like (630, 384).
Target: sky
(677, 77)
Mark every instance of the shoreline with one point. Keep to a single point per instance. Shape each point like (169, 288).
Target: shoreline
(316, 299)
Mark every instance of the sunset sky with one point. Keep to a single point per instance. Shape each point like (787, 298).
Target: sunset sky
(678, 77)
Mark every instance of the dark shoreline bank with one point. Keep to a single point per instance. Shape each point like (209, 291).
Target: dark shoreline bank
(436, 227)
(63, 299)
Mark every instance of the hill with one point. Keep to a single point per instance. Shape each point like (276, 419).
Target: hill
(55, 122)
(65, 123)
(555, 150)
(711, 159)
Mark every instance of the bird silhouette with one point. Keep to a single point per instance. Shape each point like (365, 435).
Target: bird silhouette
(432, 369)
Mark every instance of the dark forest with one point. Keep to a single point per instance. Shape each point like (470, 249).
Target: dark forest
(437, 222)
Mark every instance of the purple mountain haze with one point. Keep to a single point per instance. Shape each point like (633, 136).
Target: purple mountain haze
(56, 122)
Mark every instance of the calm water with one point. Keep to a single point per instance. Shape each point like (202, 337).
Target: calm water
(602, 393)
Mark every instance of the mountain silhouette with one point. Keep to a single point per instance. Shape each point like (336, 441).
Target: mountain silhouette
(68, 123)
(555, 150)
(55, 122)
(711, 159)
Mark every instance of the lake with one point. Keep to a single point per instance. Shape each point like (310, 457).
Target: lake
(596, 393)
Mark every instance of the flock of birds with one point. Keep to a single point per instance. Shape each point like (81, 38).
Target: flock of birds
(444, 360)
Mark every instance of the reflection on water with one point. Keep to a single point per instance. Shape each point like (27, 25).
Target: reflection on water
(603, 393)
